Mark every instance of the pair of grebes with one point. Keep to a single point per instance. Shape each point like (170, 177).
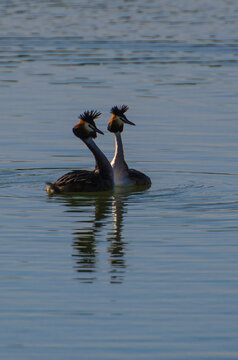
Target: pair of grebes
(106, 175)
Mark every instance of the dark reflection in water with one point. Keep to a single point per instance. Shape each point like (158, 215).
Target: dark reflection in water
(88, 238)
(85, 237)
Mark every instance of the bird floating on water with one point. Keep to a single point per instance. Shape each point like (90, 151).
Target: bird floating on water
(122, 174)
(101, 178)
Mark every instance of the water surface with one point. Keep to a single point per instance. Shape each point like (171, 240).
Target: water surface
(135, 273)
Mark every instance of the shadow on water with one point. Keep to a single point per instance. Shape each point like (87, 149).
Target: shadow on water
(93, 214)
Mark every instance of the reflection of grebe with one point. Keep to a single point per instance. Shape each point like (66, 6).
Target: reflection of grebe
(90, 234)
(122, 174)
(93, 232)
(117, 245)
(89, 229)
(101, 178)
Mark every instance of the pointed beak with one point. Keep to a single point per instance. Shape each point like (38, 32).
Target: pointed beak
(98, 131)
(126, 121)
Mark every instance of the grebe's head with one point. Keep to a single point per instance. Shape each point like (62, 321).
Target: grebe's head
(118, 118)
(86, 126)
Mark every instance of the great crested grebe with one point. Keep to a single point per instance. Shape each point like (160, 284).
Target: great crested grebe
(101, 178)
(122, 174)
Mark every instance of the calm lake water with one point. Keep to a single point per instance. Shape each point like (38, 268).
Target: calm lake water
(132, 274)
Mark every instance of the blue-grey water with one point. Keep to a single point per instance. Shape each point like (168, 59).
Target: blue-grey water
(132, 274)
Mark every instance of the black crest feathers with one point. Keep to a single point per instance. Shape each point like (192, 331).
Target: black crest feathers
(119, 110)
(89, 116)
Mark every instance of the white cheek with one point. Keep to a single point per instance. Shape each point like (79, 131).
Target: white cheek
(87, 127)
(119, 121)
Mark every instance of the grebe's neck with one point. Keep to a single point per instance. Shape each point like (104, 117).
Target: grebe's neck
(119, 153)
(120, 168)
(102, 163)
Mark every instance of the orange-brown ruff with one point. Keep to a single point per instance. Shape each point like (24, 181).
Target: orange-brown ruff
(101, 178)
(122, 174)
